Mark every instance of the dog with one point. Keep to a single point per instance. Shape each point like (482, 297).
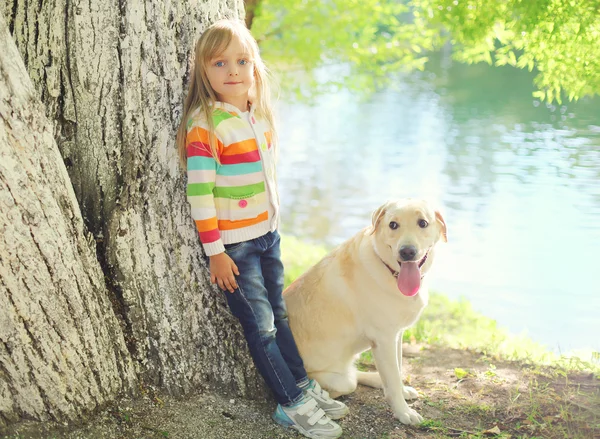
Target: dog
(362, 296)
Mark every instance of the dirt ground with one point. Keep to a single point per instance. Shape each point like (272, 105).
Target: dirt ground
(463, 394)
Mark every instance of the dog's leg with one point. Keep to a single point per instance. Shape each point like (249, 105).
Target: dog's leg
(336, 383)
(386, 359)
(371, 379)
(407, 391)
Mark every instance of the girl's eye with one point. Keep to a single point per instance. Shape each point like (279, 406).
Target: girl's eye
(394, 225)
(219, 64)
(422, 223)
(243, 62)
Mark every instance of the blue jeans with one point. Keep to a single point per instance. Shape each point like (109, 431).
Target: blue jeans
(259, 306)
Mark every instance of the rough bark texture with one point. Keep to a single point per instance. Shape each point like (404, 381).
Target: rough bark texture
(62, 351)
(112, 75)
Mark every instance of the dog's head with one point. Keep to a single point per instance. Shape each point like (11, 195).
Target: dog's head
(404, 236)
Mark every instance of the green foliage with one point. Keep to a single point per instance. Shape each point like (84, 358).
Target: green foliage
(432, 424)
(559, 38)
(368, 36)
(373, 39)
(460, 373)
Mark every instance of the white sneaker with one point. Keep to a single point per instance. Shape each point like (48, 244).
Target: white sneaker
(307, 418)
(334, 409)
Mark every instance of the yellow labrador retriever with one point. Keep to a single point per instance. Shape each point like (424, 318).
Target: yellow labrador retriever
(362, 296)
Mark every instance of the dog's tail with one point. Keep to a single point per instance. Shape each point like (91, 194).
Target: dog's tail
(371, 379)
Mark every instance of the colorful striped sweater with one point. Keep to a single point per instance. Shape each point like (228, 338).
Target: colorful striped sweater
(235, 200)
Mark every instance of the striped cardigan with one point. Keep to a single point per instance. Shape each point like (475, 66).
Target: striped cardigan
(235, 200)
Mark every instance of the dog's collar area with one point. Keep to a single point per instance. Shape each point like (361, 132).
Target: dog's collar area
(424, 259)
(395, 273)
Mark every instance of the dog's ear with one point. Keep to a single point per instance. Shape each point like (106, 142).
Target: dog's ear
(440, 219)
(377, 216)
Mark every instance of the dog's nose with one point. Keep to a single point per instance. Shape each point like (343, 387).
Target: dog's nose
(408, 252)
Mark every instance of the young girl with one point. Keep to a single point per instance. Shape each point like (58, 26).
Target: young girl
(227, 136)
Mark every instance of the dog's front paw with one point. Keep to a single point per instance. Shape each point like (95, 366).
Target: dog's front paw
(408, 416)
(409, 393)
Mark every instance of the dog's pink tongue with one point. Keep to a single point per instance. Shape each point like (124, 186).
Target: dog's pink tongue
(409, 278)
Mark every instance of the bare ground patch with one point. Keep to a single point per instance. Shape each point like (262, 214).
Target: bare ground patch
(463, 394)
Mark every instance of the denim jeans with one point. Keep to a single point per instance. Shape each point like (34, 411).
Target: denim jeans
(260, 308)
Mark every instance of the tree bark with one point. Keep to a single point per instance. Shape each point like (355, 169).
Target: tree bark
(62, 351)
(250, 6)
(112, 75)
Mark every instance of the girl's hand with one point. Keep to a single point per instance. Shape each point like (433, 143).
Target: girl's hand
(222, 270)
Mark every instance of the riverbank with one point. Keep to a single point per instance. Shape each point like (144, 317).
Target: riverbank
(462, 394)
(474, 379)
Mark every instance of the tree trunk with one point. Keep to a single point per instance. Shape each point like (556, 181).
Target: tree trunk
(62, 351)
(112, 75)
(250, 6)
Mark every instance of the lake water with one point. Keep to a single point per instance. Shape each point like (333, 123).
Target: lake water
(518, 182)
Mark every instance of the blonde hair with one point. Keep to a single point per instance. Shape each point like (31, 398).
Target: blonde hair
(210, 45)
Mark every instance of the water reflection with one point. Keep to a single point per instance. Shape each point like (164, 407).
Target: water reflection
(518, 182)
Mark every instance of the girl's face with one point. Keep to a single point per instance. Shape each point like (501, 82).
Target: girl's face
(231, 74)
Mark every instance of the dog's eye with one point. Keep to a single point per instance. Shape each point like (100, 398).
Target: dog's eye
(394, 225)
(422, 223)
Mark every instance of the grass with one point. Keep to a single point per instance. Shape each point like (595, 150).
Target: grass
(454, 323)
(298, 256)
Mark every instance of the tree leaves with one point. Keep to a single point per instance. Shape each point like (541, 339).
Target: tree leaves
(377, 38)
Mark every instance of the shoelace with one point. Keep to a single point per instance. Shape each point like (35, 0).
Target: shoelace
(309, 408)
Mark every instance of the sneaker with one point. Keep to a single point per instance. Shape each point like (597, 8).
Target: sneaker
(307, 418)
(334, 409)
